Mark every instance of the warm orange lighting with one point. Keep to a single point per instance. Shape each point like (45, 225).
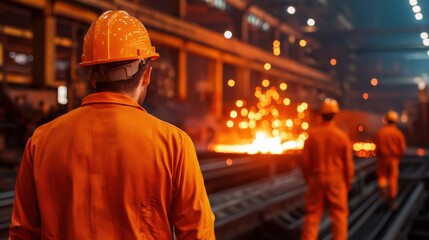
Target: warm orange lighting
(228, 162)
(365, 96)
(360, 128)
(421, 152)
(231, 83)
(267, 66)
(302, 43)
(276, 52)
(276, 43)
(301, 115)
(289, 123)
(286, 101)
(243, 125)
(304, 125)
(374, 82)
(362, 146)
(333, 61)
(275, 123)
(239, 103)
(233, 114)
(283, 86)
(244, 112)
(265, 82)
(304, 105)
(230, 124)
(299, 109)
(252, 124)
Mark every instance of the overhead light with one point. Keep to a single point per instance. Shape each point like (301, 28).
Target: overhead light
(302, 43)
(424, 35)
(227, 34)
(311, 22)
(413, 2)
(419, 16)
(291, 10)
(417, 9)
(426, 42)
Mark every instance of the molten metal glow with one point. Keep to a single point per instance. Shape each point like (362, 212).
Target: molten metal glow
(261, 144)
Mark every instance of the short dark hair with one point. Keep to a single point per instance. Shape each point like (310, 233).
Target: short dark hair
(125, 86)
(328, 116)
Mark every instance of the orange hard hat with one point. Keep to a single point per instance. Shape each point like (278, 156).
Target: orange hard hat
(391, 116)
(116, 36)
(330, 105)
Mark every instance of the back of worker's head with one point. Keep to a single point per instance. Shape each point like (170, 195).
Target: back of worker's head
(391, 117)
(117, 48)
(328, 109)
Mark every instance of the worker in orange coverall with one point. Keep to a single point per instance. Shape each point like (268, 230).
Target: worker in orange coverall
(108, 169)
(390, 146)
(328, 168)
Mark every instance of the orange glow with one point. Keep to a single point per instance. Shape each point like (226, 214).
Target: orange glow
(301, 115)
(275, 133)
(231, 83)
(299, 109)
(228, 161)
(276, 52)
(267, 66)
(360, 128)
(265, 82)
(365, 96)
(362, 146)
(233, 114)
(230, 123)
(244, 112)
(262, 144)
(243, 125)
(252, 124)
(302, 43)
(333, 61)
(304, 125)
(276, 43)
(421, 152)
(286, 101)
(283, 86)
(374, 82)
(289, 123)
(239, 103)
(304, 105)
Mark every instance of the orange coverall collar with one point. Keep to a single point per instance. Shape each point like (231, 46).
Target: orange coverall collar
(110, 97)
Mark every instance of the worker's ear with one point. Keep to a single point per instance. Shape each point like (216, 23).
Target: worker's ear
(146, 76)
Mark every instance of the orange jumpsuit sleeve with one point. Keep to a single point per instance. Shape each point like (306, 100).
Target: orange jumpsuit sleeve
(349, 167)
(191, 212)
(25, 222)
(305, 160)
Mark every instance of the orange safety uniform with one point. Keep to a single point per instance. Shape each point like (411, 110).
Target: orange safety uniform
(390, 145)
(109, 170)
(328, 168)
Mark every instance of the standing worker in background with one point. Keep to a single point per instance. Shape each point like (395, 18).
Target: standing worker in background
(110, 170)
(328, 168)
(390, 146)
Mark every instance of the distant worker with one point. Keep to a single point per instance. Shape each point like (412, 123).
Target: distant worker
(328, 168)
(108, 169)
(390, 146)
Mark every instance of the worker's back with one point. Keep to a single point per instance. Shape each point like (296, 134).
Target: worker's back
(326, 149)
(110, 170)
(390, 141)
